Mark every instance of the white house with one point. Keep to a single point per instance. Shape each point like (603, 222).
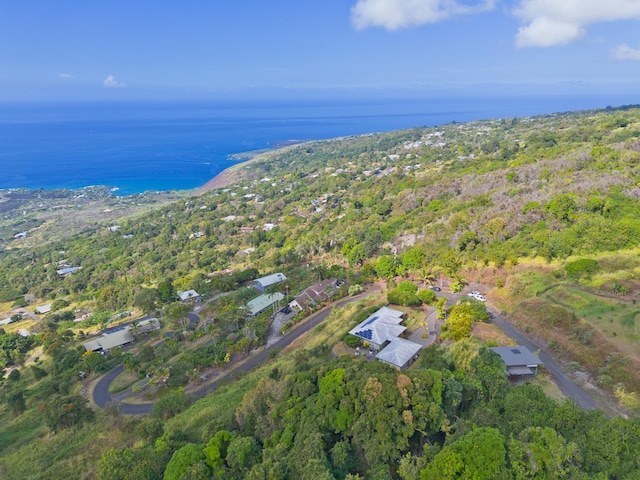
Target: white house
(264, 282)
(189, 295)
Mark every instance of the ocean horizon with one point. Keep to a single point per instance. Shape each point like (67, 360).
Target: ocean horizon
(146, 146)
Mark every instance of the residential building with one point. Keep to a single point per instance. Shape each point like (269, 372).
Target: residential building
(107, 341)
(400, 353)
(316, 293)
(519, 361)
(264, 282)
(263, 302)
(189, 295)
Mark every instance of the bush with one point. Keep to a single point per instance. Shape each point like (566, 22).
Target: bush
(352, 341)
(21, 302)
(581, 267)
(400, 297)
(427, 296)
(456, 287)
(170, 405)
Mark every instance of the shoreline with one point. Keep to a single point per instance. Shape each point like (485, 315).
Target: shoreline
(234, 174)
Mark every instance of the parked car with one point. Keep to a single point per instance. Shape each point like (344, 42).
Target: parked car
(435, 289)
(477, 296)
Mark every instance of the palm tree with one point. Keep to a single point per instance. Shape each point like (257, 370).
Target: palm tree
(135, 328)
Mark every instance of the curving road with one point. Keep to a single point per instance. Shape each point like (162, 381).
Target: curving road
(103, 398)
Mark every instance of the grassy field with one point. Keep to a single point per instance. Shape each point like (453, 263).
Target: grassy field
(26, 323)
(617, 319)
(122, 382)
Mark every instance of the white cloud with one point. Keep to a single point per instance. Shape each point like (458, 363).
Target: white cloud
(111, 82)
(396, 14)
(65, 75)
(625, 52)
(559, 22)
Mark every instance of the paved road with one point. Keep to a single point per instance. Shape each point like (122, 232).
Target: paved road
(102, 397)
(565, 384)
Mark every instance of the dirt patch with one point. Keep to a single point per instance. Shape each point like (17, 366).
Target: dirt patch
(490, 332)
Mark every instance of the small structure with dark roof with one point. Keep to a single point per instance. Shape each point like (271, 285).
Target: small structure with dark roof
(316, 293)
(519, 361)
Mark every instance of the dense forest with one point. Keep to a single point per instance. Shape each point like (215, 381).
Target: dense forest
(541, 212)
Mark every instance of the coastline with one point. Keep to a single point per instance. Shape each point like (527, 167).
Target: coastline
(238, 172)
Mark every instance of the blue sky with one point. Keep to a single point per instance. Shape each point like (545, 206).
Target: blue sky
(148, 49)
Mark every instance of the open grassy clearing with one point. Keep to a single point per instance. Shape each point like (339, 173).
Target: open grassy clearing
(122, 382)
(26, 324)
(617, 320)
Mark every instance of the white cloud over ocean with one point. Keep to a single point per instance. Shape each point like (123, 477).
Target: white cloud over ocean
(65, 75)
(624, 53)
(111, 82)
(396, 14)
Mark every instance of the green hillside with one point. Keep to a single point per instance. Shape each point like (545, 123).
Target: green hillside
(540, 214)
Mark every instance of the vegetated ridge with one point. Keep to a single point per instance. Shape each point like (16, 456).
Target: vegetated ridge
(541, 212)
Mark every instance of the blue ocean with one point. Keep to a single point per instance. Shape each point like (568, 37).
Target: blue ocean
(136, 147)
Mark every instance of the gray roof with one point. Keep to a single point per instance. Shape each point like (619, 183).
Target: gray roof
(110, 340)
(380, 327)
(68, 270)
(399, 352)
(188, 294)
(271, 279)
(263, 302)
(147, 325)
(517, 356)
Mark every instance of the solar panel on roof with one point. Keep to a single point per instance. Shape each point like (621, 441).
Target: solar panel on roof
(370, 321)
(368, 334)
(516, 351)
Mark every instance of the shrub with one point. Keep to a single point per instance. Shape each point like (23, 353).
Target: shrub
(427, 296)
(400, 297)
(352, 341)
(581, 267)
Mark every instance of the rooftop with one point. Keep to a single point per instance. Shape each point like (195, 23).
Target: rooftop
(381, 326)
(188, 295)
(271, 279)
(517, 356)
(263, 302)
(399, 352)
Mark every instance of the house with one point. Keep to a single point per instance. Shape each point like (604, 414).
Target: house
(380, 327)
(519, 361)
(42, 309)
(261, 303)
(316, 293)
(189, 295)
(110, 340)
(63, 272)
(400, 353)
(264, 282)
(146, 326)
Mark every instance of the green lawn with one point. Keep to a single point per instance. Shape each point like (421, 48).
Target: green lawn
(618, 320)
